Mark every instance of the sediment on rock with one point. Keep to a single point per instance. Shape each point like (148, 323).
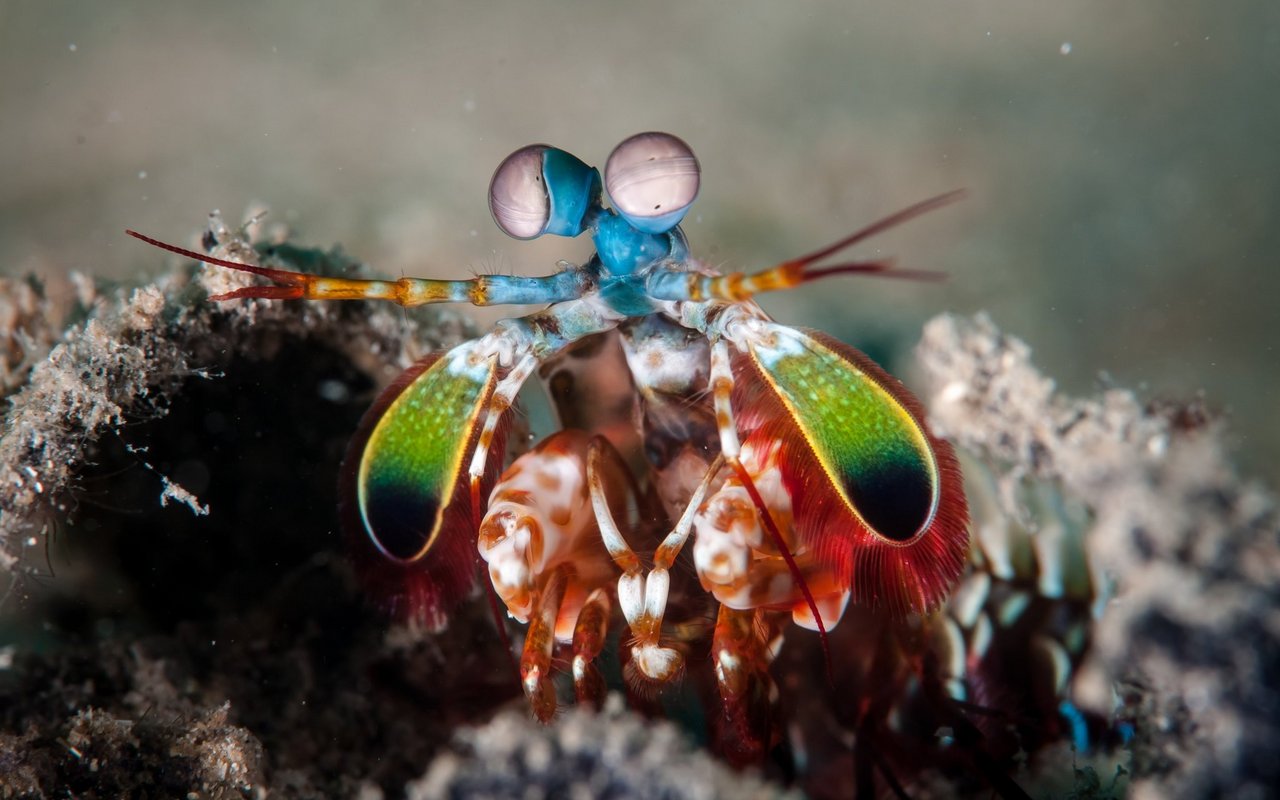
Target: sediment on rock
(1188, 642)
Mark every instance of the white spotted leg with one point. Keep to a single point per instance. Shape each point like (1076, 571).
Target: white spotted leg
(535, 662)
(504, 395)
(722, 382)
(589, 634)
(546, 562)
(525, 342)
(743, 646)
(643, 597)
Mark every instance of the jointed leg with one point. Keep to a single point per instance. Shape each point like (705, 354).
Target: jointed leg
(541, 542)
(588, 640)
(644, 598)
(731, 449)
(504, 395)
(742, 652)
(535, 663)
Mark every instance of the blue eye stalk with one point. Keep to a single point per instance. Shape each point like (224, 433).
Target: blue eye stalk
(651, 179)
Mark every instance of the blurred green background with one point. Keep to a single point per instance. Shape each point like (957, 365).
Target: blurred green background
(1123, 159)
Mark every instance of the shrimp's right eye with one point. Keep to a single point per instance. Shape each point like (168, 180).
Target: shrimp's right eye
(652, 179)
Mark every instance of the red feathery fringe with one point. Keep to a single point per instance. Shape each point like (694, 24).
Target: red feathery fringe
(426, 590)
(898, 577)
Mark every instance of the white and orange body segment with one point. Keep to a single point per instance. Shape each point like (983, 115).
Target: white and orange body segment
(740, 564)
(545, 558)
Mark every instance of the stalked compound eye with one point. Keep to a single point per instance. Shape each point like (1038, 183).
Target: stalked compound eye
(518, 196)
(652, 179)
(540, 189)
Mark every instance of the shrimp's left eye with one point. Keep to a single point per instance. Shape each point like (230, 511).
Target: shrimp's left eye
(652, 179)
(518, 195)
(541, 189)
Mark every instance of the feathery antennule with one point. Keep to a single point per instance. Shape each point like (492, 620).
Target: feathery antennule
(875, 269)
(879, 226)
(880, 268)
(739, 286)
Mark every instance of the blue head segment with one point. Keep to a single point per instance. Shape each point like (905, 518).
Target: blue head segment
(652, 180)
(540, 189)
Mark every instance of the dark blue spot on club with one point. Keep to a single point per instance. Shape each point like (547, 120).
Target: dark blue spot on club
(894, 497)
(401, 519)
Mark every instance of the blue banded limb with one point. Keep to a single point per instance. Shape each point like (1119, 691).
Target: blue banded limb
(484, 290)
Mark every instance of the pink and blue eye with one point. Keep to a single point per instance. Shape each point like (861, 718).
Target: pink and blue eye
(541, 189)
(652, 180)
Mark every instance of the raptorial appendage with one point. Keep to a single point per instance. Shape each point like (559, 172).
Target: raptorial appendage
(541, 542)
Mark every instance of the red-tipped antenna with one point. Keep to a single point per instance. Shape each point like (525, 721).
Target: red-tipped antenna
(879, 268)
(289, 285)
(879, 226)
(795, 271)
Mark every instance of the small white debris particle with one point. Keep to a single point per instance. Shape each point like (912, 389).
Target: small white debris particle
(333, 391)
(953, 392)
(173, 491)
(1065, 48)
